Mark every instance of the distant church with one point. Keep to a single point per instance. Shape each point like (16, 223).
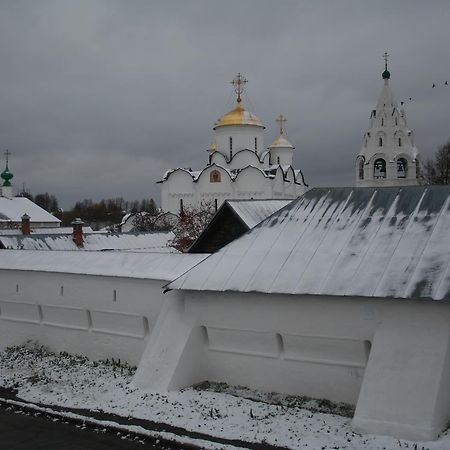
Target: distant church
(239, 167)
(389, 156)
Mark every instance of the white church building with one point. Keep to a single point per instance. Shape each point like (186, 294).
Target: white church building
(238, 167)
(388, 156)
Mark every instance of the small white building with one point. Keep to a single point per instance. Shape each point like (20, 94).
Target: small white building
(388, 156)
(13, 208)
(238, 166)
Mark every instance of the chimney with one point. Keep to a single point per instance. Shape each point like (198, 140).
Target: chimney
(78, 232)
(26, 225)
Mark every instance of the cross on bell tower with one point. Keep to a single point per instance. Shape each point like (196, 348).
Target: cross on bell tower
(385, 57)
(239, 82)
(7, 154)
(281, 120)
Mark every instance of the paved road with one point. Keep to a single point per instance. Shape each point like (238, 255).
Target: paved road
(20, 431)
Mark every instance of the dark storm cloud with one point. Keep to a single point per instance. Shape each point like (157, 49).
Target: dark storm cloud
(99, 98)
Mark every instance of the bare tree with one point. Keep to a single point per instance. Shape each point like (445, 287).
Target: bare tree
(190, 225)
(437, 170)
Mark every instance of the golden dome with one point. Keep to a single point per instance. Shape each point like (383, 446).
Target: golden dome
(238, 116)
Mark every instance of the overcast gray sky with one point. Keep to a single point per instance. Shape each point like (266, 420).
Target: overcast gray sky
(99, 98)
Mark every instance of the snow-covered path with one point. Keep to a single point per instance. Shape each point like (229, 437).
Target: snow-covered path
(71, 381)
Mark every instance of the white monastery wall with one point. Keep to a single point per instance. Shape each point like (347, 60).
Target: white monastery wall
(98, 316)
(386, 356)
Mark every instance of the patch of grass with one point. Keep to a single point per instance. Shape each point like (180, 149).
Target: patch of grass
(288, 401)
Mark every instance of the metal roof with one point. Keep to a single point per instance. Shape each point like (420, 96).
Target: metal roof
(252, 212)
(372, 242)
(12, 209)
(156, 266)
(152, 241)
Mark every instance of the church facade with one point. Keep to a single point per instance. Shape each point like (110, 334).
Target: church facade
(238, 166)
(388, 156)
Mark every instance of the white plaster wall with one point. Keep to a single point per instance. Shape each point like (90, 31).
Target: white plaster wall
(323, 347)
(178, 186)
(251, 183)
(101, 317)
(243, 137)
(243, 159)
(285, 154)
(219, 159)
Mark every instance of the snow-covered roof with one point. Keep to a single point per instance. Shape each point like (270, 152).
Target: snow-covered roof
(252, 212)
(53, 230)
(157, 266)
(12, 209)
(154, 241)
(372, 242)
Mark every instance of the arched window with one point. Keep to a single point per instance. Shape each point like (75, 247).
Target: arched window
(231, 143)
(402, 168)
(256, 144)
(380, 142)
(379, 168)
(399, 141)
(214, 177)
(396, 121)
(361, 170)
(382, 122)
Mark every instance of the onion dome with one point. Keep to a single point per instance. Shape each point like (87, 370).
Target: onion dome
(6, 176)
(238, 116)
(282, 142)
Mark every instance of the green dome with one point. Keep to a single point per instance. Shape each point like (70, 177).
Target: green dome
(386, 75)
(6, 176)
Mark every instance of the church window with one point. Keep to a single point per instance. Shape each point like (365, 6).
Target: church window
(214, 177)
(278, 160)
(231, 143)
(399, 142)
(361, 170)
(396, 121)
(382, 122)
(379, 169)
(181, 206)
(402, 168)
(380, 142)
(256, 144)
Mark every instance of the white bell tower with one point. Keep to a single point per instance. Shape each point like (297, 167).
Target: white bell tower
(388, 156)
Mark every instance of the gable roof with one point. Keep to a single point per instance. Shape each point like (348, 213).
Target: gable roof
(252, 212)
(157, 266)
(12, 210)
(154, 241)
(372, 242)
(233, 219)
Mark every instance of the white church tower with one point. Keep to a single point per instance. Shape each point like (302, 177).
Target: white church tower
(388, 156)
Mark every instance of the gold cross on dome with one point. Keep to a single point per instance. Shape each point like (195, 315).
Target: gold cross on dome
(385, 57)
(239, 82)
(281, 119)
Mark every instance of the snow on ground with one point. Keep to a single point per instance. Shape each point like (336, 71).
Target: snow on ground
(76, 382)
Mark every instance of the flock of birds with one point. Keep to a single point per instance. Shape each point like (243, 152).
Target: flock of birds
(433, 86)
